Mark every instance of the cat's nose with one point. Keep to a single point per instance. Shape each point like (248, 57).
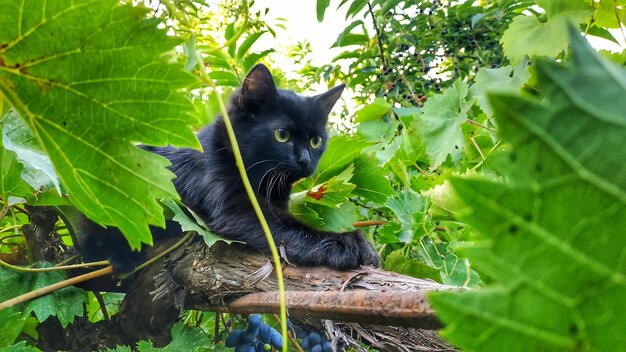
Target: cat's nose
(304, 159)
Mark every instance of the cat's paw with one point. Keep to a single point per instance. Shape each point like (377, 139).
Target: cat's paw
(367, 253)
(355, 251)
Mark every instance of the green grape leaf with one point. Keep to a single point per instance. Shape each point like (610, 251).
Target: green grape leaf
(378, 131)
(602, 33)
(387, 151)
(440, 124)
(408, 205)
(610, 14)
(556, 7)
(184, 338)
(11, 324)
(617, 57)
(111, 300)
(331, 193)
(503, 79)
(388, 233)
(453, 270)
(90, 91)
(553, 233)
(443, 200)
(64, 303)
(19, 347)
(372, 112)
(528, 36)
(370, 180)
(191, 223)
(306, 214)
(399, 263)
(340, 153)
(411, 149)
(337, 219)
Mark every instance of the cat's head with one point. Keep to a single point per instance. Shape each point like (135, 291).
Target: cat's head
(281, 134)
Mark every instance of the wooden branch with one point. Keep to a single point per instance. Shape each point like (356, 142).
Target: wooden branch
(216, 278)
(369, 223)
(384, 308)
(363, 304)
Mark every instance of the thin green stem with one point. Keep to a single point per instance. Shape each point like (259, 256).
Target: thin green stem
(9, 228)
(160, 255)
(53, 268)
(254, 201)
(592, 19)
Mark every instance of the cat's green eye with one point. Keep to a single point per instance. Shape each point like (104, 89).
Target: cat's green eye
(281, 135)
(316, 142)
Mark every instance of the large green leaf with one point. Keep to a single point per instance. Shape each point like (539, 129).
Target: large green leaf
(89, 79)
(530, 36)
(440, 125)
(554, 232)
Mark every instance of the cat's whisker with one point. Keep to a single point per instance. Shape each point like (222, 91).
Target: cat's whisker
(274, 181)
(260, 162)
(283, 188)
(219, 150)
(268, 172)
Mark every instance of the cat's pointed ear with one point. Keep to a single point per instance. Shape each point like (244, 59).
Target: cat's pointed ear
(257, 89)
(326, 101)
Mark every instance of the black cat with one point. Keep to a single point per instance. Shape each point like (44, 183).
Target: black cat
(282, 137)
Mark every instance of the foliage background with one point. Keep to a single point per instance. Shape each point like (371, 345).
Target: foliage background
(488, 136)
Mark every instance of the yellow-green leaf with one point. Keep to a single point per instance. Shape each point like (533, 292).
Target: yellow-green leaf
(89, 79)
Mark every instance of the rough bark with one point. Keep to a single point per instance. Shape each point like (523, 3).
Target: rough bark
(214, 279)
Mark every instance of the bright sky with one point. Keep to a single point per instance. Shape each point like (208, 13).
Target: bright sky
(302, 24)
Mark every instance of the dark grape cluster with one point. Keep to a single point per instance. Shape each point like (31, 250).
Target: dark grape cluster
(256, 337)
(312, 340)
(316, 342)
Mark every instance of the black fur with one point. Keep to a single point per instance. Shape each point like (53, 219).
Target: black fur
(209, 183)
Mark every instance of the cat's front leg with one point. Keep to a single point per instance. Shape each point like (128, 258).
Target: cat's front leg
(341, 251)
